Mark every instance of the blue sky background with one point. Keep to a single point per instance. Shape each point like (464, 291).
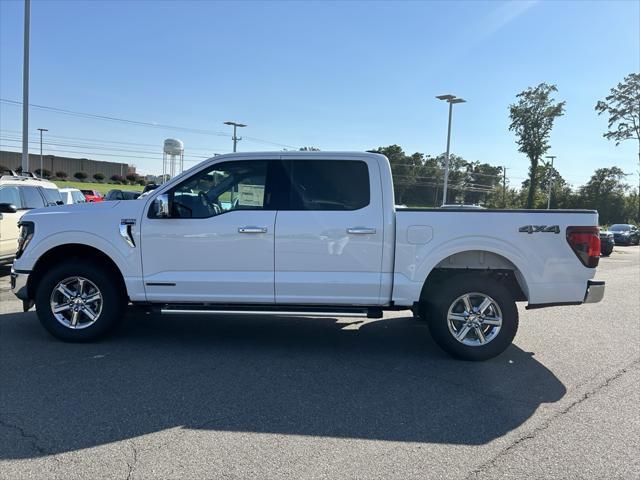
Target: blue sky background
(339, 76)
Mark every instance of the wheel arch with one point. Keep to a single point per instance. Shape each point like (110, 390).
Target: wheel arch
(70, 251)
(484, 261)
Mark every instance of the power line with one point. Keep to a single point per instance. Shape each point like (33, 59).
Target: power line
(140, 123)
(84, 139)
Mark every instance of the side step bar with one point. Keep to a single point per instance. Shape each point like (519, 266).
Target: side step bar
(282, 310)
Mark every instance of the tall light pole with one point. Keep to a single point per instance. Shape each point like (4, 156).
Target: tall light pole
(450, 99)
(25, 89)
(551, 176)
(41, 162)
(235, 137)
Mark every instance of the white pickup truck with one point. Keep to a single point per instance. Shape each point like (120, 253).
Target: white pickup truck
(304, 234)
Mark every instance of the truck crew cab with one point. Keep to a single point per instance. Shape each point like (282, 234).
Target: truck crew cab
(305, 233)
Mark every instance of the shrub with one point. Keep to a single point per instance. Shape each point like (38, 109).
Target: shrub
(141, 181)
(44, 174)
(132, 177)
(98, 177)
(80, 175)
(117, 178)
(61, 175)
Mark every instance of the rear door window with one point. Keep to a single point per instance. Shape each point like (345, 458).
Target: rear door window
(328, 184)
(31, 197)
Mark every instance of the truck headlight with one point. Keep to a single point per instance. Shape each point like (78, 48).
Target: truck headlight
(26, 234)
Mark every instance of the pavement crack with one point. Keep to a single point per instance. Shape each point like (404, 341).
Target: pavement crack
(131, 465)
(546, 424)
(33, 440)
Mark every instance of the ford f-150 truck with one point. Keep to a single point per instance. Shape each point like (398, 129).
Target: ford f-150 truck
(302, 233)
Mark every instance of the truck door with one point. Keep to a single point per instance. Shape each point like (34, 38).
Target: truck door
(329, 238)
(217, 245)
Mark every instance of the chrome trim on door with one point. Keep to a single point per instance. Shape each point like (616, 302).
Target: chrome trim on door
(252, 230)
(361, 231)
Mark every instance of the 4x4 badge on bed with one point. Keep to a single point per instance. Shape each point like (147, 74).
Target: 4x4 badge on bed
(539, 228)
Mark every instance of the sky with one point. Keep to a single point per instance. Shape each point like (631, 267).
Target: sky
(334, 75)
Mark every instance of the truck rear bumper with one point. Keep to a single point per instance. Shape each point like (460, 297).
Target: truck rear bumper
(595, 291)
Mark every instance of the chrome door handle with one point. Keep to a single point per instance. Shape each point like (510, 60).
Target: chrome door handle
(252, 230)
(361, 231)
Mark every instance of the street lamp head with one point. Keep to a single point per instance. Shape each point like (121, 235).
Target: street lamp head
(447, 97)
(457, 100)
(43, 129)
(235, 124)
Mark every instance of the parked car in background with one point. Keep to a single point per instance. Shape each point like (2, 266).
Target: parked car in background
(18, 194)
(625, 234)
(606, 243)
(92, 195)
(72, 195)
(121, 195)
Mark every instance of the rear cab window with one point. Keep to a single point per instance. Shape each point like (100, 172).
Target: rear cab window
(334, 185)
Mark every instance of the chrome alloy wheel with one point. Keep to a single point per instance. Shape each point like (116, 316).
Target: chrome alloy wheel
(474, 319)
(76, 302)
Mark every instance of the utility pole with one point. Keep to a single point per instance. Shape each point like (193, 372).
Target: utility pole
(25, 89)
(450, 99)
(235, 137)
(551, 176)
(504, 187)
(41, 162)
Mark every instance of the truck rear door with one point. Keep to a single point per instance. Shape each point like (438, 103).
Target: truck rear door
(329, 237)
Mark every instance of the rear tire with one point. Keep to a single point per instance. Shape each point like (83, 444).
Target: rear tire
(472, 317)
(87, 300)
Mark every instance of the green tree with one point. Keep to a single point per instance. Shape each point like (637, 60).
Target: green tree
(80, 175)
(132, 177)
(532, 118)
(98, 177)
(44, 173)
(61, 175)
(605, 192)
(622, 105)
(117, 178)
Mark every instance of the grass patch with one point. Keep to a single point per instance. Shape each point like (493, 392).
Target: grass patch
(103, 188)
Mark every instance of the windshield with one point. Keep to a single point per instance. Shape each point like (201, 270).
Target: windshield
(620, 228)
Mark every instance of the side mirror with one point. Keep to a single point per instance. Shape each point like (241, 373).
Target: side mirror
(8, 208)
(161, 203)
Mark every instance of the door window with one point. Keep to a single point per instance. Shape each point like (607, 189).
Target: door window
(328, 184)
(221, 188)
(52, 195)
(10, 194)
(31, 197)
(77, 197)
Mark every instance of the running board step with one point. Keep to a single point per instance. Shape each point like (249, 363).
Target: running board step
(293, 310)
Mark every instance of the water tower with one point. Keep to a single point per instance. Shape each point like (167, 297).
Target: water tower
(172, 158)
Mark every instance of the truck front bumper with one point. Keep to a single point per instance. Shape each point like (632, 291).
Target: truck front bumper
(19, 281)
(595, 291)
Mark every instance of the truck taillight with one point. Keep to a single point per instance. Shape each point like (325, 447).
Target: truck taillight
(585, 243)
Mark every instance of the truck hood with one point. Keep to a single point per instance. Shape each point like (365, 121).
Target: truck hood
(94, 209)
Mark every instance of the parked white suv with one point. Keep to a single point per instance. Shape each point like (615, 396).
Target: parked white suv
(303, 233)
(18, 194)
(72, 195)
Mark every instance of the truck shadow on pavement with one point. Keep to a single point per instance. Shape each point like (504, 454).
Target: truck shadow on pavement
(385, 381)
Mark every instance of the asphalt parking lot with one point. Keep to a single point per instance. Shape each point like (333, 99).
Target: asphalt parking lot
(186, 397)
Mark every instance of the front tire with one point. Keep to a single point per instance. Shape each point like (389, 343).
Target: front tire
(79, 302)
(472, 317)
